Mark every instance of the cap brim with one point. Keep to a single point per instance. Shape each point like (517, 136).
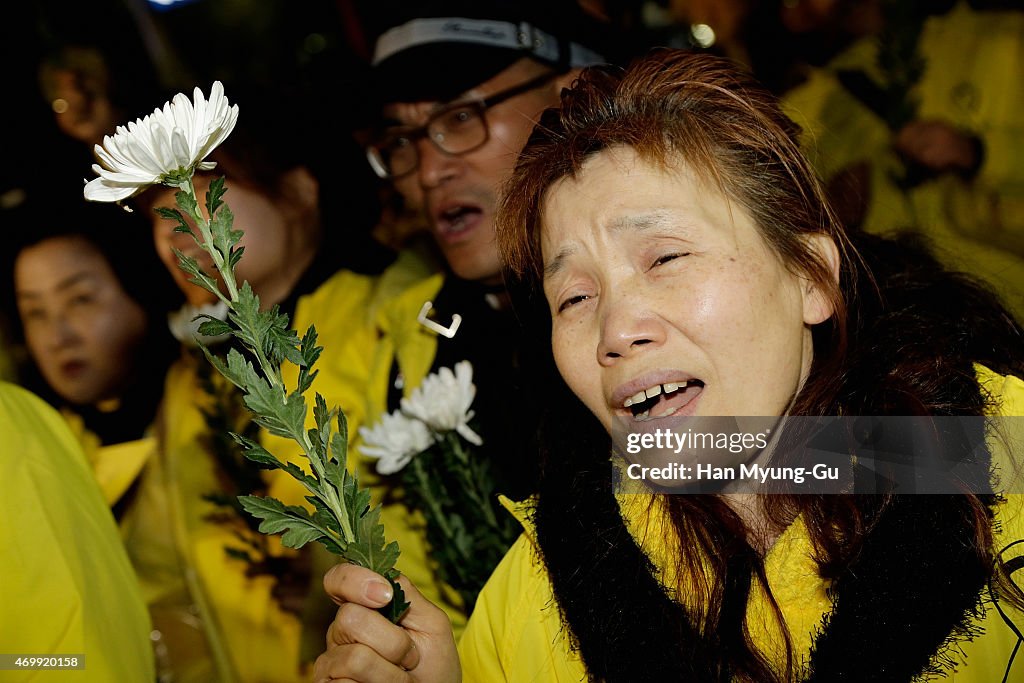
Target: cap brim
(438, 72)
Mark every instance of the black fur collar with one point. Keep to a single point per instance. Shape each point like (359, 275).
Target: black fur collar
(899, 609)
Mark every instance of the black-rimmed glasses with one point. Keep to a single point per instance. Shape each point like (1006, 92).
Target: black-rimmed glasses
(456, 128)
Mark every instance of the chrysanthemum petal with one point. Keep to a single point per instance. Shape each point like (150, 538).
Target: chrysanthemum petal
(469, 435)
(98, 190)
(184, 117)
(179, 149)
(124, 177)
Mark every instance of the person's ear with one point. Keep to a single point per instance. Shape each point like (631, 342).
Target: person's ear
(302, 187)
(818, 305)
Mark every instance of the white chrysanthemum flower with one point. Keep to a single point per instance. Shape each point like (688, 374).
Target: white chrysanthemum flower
(169, 144)
(443, 401)
(394, 441)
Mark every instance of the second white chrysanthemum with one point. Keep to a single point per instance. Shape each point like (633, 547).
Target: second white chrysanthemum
(394, 440)
(443, 401)
(168, 145)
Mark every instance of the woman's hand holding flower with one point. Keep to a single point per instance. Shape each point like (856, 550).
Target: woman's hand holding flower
(364, 646)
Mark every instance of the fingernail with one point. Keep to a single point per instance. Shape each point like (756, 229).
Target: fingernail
(378, 591)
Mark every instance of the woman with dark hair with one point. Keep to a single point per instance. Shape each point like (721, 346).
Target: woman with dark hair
(687, 265)
(91, 301)
(90, 312)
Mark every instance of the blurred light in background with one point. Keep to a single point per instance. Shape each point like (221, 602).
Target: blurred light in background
(314, 43)
(703, 35)
(162, 5)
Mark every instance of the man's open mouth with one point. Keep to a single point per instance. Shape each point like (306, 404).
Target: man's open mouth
(455, 220)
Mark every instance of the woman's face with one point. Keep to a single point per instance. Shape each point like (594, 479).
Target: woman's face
(659, 286)
(81, 327)
(266, 238)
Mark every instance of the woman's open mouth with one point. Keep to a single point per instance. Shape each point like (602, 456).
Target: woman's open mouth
(662, 400)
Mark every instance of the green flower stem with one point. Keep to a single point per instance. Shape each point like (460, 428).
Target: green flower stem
(272, 373)
(424, 485)
(470, 482)
(330, 498)
(207, 244)
(334, 503)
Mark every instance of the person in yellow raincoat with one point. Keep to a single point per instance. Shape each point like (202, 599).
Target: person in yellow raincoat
(68, 587)
(91, 311)
(951, 172)
(688, 266)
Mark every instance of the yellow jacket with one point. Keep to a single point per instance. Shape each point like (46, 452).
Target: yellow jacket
(131, 477)
(516, 633)
(68, 587)
(974, 68)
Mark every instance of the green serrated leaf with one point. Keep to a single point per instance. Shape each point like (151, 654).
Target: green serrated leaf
(186, 202)
(237, 370)
(332, 546)
(257, 453)
(310, 354)
(283, 415)
(316, 440)
(340, 442)
(214, 194)
(213, 327)
(306, 380)
(224, 238)
(174, 215)
(369, 549)
(216, 362)
(291, 521)
(321, 413)
(324, 516)
(235, 256)
(336, 471)
(170, 214)
(282, 342)
(191, 266)
(396, 609)
(252, 326)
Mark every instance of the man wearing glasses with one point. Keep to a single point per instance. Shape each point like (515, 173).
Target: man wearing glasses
(461, 85)
(460, 93)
